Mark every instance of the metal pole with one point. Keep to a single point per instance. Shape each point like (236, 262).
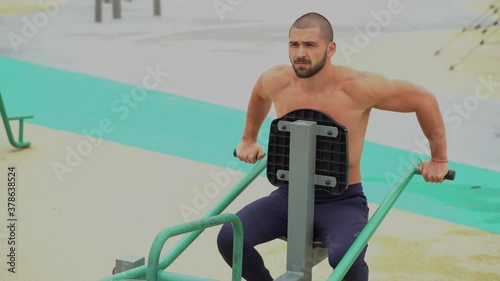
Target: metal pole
(98, 10)
(301, 201)
(117, 9)
(377, 218)
(157, 8)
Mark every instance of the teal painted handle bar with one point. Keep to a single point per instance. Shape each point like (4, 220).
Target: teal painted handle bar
(377, 218)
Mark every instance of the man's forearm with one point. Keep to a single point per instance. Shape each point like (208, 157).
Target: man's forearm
(431, 122)
(258, 109)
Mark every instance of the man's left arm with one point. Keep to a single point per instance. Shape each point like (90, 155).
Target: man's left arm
(404, 96)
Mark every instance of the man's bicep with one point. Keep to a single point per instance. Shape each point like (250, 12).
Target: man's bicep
(259, 90)
(399, 96)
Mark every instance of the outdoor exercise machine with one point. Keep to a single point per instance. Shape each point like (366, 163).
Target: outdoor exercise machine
(486, 24)
(117, 9)
(20, 143)
(307, 151)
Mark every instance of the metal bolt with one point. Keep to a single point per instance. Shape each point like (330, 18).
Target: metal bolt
(329, 132)
(327, 182)
(283, 126)
(282, 176)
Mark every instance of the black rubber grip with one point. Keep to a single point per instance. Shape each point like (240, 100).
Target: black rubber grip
(449, 176)
(236, 155)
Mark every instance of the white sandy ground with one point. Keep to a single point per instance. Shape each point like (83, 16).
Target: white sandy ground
(120, 197)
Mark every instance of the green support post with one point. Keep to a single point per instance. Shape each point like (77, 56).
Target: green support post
(6, 122)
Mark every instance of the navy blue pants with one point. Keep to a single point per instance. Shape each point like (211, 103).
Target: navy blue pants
(338, 219)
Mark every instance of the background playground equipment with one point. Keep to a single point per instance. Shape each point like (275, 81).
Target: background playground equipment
(20, 143)
(486, 24)
(117, 8)
(306, 148)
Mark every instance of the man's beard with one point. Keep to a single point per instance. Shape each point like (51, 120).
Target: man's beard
(311, 71)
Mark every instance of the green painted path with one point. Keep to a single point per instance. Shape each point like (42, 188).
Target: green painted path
(205, 132)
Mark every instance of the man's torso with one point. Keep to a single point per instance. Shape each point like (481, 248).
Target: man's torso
(332, 99)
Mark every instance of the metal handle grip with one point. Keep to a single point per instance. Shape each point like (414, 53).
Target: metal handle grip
(449, 176)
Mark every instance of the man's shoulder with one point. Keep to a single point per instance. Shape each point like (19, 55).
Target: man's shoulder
(277, 77)
(358, 80)
(365, 87)
(276, 71)
(349, 74)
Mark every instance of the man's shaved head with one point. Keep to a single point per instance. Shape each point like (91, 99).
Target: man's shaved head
(312, 20)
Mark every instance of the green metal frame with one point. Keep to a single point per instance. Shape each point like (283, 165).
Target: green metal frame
(196, 229)
(154, 274)
(6, 121)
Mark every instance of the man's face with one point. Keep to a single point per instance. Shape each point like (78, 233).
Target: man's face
(307, 51)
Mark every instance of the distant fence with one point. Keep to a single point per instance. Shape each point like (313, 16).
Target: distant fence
(487, 24)
(117, 9)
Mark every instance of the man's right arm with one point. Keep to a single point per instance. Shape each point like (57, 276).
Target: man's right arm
(257, 110)
(258, 107)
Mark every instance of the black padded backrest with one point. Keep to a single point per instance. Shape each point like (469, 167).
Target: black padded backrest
(332, 157)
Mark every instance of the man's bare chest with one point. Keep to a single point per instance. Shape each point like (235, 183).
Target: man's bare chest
(334, 104)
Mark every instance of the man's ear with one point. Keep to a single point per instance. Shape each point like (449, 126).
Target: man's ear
(332, 48)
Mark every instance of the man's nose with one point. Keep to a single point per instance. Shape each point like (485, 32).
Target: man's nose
(301, 52)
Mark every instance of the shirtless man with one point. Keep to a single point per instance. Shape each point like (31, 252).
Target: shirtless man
(347, 96)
